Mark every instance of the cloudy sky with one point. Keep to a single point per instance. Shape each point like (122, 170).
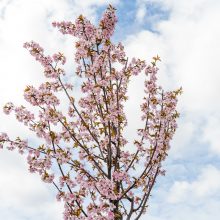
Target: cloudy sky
(186, 36)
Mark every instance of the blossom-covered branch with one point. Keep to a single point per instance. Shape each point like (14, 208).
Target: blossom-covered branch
(83, 151)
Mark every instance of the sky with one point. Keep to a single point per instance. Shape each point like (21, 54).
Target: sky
(186, 36)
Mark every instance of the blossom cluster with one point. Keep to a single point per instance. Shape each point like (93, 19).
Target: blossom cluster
(83, 151)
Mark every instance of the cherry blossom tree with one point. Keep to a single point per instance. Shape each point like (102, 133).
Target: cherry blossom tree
(83, 152)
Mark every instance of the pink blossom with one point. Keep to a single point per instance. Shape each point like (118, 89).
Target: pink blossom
(82, 149)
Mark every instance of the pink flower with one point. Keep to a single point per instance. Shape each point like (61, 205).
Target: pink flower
(8, 108)
(82, 150)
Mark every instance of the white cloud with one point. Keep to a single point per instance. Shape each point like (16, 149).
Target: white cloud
(141, 13)
(24, 195)
(211, 134)
(205, 186)
(183, 138)
(197, 198)
(87, 3)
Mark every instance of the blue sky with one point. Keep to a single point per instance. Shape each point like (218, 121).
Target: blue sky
(185, 35)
